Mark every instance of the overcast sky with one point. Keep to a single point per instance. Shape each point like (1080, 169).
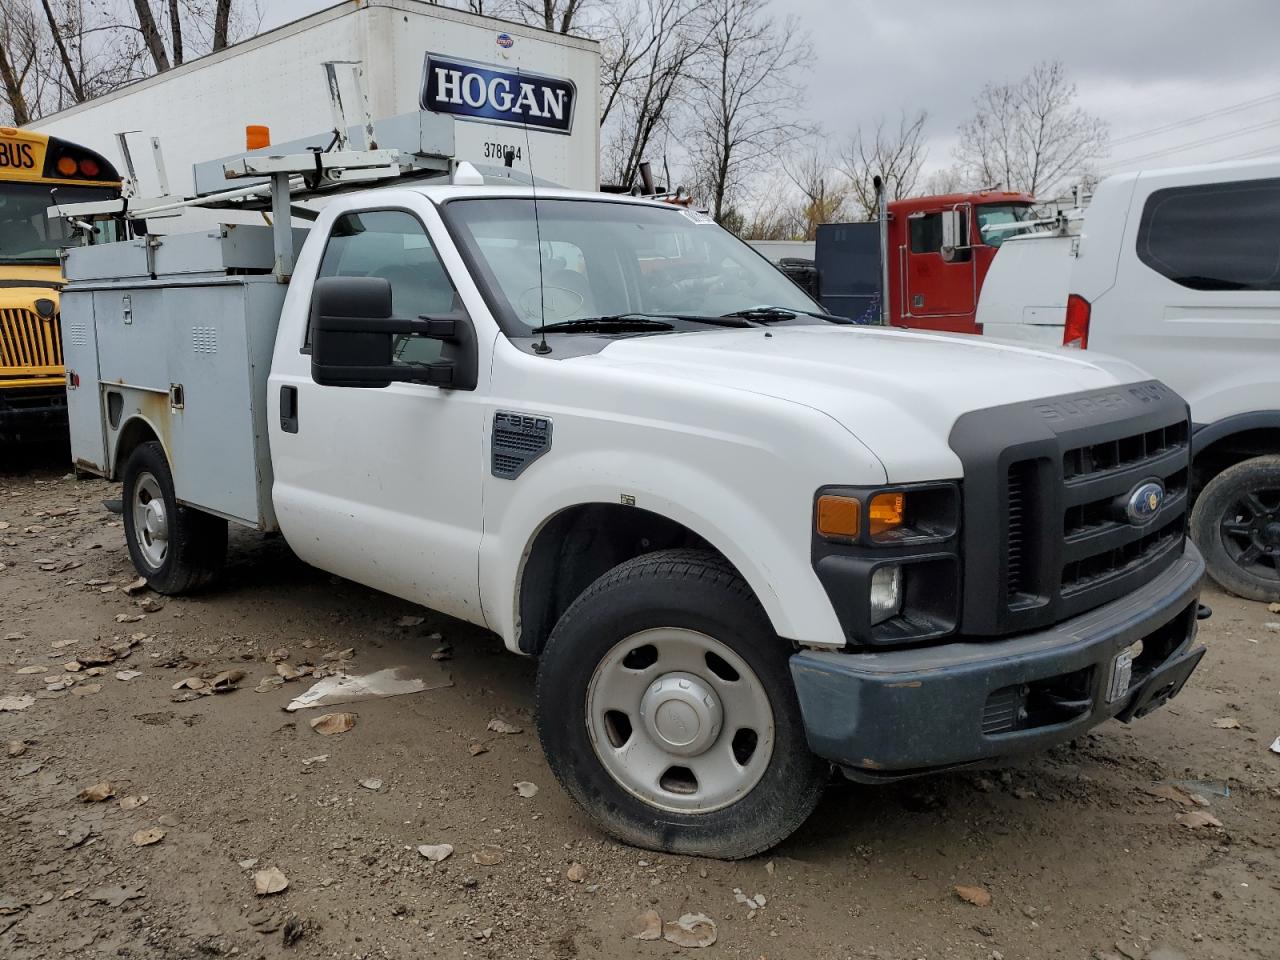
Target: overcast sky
(1139, 64)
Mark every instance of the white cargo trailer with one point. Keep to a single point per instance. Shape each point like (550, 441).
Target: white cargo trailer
(495, 87)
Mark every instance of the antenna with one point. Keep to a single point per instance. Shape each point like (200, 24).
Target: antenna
(541, 347)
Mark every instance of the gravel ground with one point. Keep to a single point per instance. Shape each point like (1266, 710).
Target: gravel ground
(1081, 851)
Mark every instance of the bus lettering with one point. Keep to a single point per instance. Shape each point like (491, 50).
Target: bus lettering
(17, 155)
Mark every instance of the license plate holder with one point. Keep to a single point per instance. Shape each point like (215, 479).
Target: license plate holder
(1162, 686)
(1122, 672)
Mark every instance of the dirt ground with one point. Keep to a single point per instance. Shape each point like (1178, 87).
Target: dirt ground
(1079, 856)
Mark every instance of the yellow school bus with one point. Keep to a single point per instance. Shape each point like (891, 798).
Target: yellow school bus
(37, 171)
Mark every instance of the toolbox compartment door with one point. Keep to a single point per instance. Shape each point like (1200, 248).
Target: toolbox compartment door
(85, 413)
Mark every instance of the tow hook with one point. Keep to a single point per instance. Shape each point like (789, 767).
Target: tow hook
(1203, 611)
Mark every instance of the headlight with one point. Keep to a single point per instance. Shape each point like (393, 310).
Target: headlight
(45, 307)
(886, 593)
(889, 560)
(896, 517)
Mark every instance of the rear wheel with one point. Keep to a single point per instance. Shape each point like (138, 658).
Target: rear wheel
(177, 549)
(666, 709)
(1236, 523)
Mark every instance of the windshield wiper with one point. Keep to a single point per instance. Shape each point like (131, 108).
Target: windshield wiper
(625, 322)
(774, 314)
(619, 323)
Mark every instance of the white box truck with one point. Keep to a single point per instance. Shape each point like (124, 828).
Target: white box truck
(414, 56)
(747, 541)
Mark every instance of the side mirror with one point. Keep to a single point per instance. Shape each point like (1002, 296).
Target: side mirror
(353, 336)
(952, 238)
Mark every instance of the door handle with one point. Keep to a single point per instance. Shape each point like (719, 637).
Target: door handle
(289, 409)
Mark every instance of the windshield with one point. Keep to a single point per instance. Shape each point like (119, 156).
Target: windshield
(606, 259)
(26, 234)
(996, 221)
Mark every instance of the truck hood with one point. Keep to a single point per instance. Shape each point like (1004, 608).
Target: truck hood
(899, 392)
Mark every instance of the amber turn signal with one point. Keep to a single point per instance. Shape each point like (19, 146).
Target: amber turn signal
(885, 513)
(839, 516)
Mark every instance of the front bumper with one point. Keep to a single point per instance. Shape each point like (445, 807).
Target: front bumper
(881, 715)
(32, 414)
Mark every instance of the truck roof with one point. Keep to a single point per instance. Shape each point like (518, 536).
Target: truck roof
(1222, 170)
(909, 205)
(442, 192)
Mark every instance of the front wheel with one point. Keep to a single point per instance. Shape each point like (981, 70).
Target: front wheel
(666, 709)
(176, 548)
(1236, 524)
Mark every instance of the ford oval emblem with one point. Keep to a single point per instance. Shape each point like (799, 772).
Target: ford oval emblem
(505, 41)
(1144, 502)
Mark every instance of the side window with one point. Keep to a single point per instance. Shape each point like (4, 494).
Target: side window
(393, 245)
(1214, 236)
(925, 233)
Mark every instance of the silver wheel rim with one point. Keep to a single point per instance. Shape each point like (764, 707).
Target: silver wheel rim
(679, 720)
(150, 520)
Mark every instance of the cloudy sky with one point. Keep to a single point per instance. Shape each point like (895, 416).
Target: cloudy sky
(1207, 75)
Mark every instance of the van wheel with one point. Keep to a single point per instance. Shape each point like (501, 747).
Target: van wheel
(177, 549)
(666, 709)
(1236, 523)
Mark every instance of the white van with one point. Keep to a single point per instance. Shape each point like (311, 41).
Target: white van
(1178, 271)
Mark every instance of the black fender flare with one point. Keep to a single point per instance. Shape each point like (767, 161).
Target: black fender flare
(1205, 435)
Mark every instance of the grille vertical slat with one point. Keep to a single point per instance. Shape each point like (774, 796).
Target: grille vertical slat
(1016, 565)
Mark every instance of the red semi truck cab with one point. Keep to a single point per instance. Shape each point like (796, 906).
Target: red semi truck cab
(938, 252)
(934, 283)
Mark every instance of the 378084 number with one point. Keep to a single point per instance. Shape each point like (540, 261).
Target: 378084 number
(498, 151)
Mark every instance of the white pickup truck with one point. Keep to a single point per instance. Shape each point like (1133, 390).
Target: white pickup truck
(746, 541)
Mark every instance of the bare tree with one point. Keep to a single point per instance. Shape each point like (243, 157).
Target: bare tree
(895, 156)
(221, 24)
(19, 56)
(175, 32)
(558, 16)
(823, 199)
(1029, 134)
(56, 53)
(946, 180)
(769, 213)
(151, 35)
(744, 101)
(59, 31)
(644, 71)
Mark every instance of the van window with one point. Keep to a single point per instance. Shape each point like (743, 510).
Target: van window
(1214, 236)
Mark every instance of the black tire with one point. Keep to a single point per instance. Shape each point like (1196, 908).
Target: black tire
(197, 542)
(694, 590)
(1236, 525)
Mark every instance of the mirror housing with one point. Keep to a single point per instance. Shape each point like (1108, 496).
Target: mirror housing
(952, 239)
(353, 337)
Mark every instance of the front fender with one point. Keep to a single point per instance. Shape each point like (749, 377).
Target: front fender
(769, 548)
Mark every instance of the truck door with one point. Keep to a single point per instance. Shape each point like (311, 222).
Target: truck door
(938, 293)
(382, 486)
